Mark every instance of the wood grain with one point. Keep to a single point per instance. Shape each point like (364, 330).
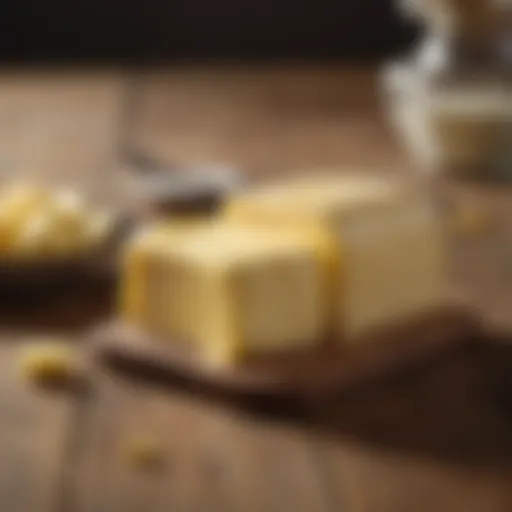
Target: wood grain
(263, 120)
(433, 438)
(429, 440)
(330, 367)
(34, 436)
(217, 456)
(61, 128)
(57, 128)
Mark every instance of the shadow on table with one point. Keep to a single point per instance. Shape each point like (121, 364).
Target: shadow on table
(457, 408)
(70, 313)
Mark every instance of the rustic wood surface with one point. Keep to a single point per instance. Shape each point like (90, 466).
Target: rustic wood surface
(438, 437)
(299, 376)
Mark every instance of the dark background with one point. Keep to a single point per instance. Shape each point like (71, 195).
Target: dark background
(177, 29)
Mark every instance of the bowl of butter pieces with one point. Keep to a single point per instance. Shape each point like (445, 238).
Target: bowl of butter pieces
(52, 236)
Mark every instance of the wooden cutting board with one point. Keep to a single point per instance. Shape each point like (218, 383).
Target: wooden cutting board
(309, 374)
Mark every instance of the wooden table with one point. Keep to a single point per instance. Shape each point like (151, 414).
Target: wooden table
(436, 437)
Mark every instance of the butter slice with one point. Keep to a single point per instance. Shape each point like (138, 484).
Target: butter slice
(387, 237)
(36, 223)
(230, 291)
(18, 203)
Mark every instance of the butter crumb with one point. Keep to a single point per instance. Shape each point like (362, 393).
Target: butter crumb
(48, 363)
(471, 221)
(143, 452)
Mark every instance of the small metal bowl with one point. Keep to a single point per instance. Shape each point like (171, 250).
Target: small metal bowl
(191, 191)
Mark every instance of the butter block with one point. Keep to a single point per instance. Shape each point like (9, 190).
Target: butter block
(229, 291)
(139, 261)
(387, 237)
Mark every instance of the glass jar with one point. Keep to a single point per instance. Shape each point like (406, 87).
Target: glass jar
(451, 100)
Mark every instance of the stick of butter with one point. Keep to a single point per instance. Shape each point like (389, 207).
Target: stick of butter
(388, 239)
(229, 290)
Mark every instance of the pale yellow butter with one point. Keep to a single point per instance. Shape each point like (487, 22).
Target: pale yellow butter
(36, 223)
(387, 239)
(229, 290)
(17, 204)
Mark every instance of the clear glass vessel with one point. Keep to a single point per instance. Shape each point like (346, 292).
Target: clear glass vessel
(451, 98)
